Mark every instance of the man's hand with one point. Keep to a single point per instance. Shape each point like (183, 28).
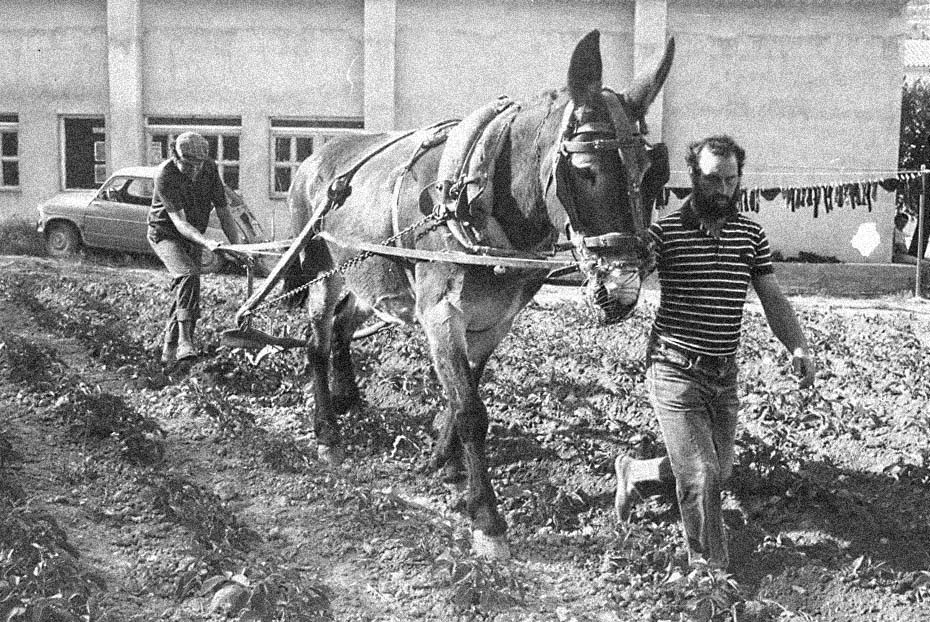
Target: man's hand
(803, 366)
(212, 245)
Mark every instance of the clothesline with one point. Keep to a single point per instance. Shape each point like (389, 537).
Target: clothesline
(831, 195)
(805, 171)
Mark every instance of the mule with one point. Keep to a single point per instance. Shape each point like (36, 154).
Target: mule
(574, 163)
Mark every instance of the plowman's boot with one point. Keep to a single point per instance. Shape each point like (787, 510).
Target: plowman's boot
(186, 349)
(169, 348)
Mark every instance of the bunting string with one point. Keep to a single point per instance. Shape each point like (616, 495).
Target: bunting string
(829, 195)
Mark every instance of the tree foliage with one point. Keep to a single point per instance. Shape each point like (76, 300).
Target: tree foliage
(915, 125)
(914, 149)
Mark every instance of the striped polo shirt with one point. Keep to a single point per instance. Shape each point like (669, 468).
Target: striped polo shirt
(704, 280)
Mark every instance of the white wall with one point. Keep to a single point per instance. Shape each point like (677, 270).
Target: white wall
(53, 57)
(810, 89)
(256, 60)
(455, 56)
(805, 85)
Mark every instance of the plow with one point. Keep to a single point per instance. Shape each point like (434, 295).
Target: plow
(559, 266)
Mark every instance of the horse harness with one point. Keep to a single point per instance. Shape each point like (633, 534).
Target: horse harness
(646, 166)
(464, 192)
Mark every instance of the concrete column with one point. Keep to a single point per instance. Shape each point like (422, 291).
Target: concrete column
(380, 59)
(650, 32)
(125, 131)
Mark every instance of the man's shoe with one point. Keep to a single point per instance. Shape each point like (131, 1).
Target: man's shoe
(626, 489)
(169, 352)
(186, 351)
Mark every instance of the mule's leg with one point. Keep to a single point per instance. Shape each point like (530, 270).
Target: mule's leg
(321, 304)
(480, 345)
(348, 317)
(447, 452)
(439, 310)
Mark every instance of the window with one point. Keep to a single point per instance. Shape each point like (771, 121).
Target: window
(222, 134)
(9, 152)
(140, 190)
(83, 149)
(294, 140)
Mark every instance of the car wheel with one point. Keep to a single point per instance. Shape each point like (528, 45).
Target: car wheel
(210, 262)
(62, 239)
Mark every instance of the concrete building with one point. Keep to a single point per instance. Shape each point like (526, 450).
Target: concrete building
(810, 87)
(915, 57)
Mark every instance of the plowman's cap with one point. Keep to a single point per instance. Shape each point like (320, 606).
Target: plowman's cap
(192, 146)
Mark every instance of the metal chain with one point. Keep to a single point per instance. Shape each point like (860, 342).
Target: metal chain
(351, 262)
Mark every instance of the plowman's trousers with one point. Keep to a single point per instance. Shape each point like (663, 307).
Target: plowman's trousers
(182, 260)
(695, 399)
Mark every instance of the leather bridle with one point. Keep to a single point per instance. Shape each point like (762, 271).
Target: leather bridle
(632, 151)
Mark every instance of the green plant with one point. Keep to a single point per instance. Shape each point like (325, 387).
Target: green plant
(40, 576)
(18, 236)
(278, 595)
(187, 504)
(214, 402)
(920, 587)
(24, 361)
(95, 414)
(711, 594)
(478, 586)
(865, 573)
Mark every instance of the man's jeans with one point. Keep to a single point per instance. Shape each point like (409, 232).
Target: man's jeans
(695, 399)
(182, 260)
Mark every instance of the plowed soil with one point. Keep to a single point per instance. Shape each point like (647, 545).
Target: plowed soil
(129, 491)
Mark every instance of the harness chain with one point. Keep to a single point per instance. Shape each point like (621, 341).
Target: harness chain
(350, 263)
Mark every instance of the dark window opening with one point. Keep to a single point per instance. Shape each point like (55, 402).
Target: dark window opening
(82, 153)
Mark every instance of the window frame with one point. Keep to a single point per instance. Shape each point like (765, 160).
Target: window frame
(9, 124)
(208, 130)
(316, 128)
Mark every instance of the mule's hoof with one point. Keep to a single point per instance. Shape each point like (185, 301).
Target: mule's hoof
(344, 402)
(333, 455)
(489, 547)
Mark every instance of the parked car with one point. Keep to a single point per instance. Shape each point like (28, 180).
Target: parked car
(114, 218)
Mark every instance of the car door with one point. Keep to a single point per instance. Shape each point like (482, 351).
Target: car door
(137, 197)
(116, 218)
(101, 214)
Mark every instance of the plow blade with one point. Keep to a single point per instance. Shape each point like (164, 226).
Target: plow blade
(254, 339)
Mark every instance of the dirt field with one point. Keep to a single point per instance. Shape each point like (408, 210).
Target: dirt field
(132, 494)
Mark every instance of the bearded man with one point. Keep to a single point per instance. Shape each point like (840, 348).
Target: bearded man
(707, 254)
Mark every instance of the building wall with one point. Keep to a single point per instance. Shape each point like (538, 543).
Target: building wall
(810, 89)
(53, 57)
(256, 60)
(226, 56)
(455, 56)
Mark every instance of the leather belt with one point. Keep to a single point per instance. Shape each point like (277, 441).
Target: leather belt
(690, 359)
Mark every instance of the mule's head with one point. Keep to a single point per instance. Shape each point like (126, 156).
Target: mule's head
(599, 174)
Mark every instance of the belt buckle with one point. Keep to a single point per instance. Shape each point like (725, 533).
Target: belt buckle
(678, 355)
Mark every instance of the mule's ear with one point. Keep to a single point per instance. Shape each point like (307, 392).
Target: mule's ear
(640, 95)
(585, 68)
